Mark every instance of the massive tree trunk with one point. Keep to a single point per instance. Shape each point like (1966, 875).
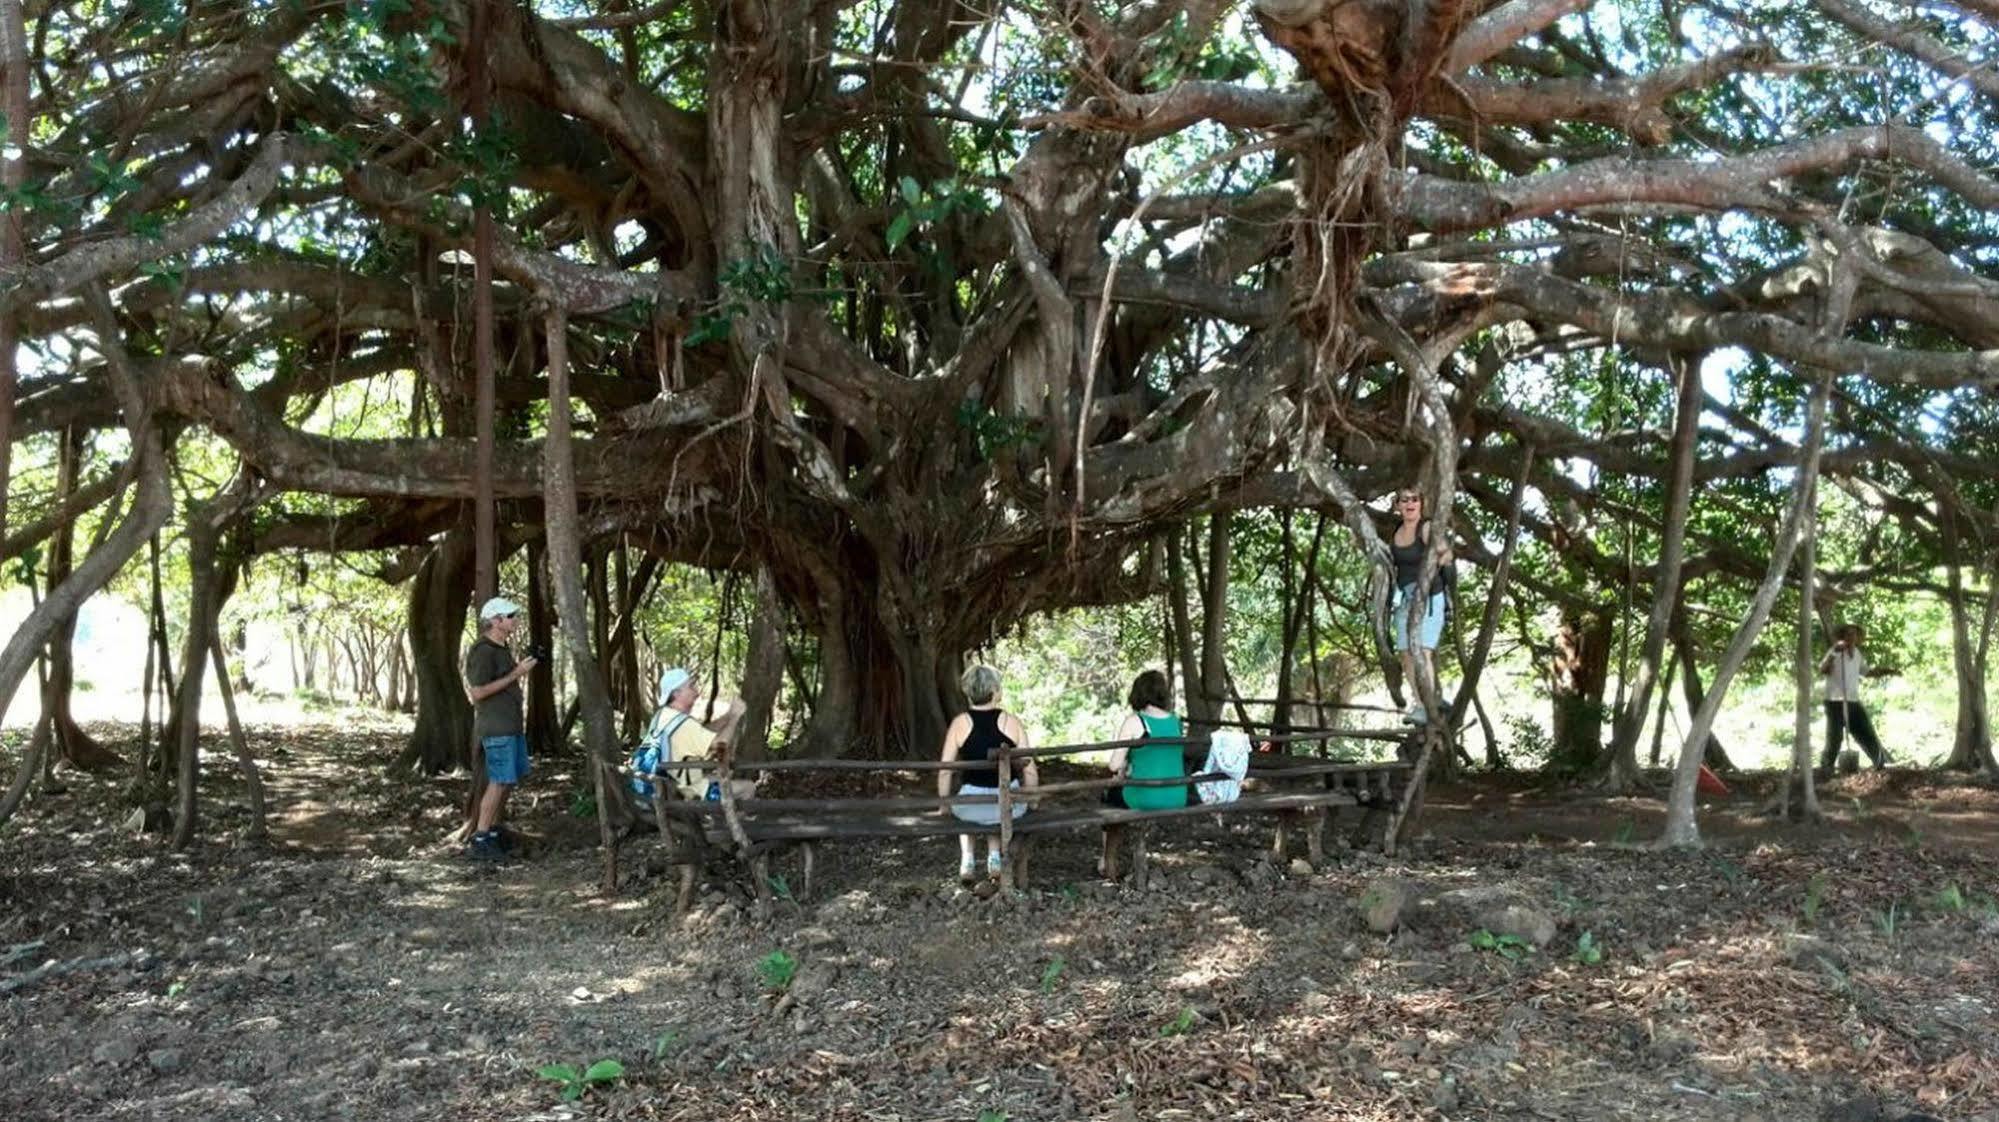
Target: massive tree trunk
(438, 608)
(544, 718)
(1681, 827)
(763, 669)
(1577, 675)
(1621, 771)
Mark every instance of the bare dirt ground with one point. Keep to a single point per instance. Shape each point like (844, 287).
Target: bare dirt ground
(355, 969)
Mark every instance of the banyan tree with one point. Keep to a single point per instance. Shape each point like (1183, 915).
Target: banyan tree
(929, 316)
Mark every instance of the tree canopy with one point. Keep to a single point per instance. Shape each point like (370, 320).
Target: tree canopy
(933, 316)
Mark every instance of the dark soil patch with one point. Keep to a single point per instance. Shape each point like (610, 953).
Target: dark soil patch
(359, 969)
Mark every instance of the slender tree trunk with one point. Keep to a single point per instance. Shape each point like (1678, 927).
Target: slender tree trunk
(1183, 626)
(1971, 747)
(1714, 754)
(201, 533)
(1621, 771)
(1495, 601)
(1681, 826)
(1662, 709)
(78, 748)
(565, 554)
(485, 565)
(1800, 775)
(151, 505)
(1214, 613)
(253, 780)
(31, 765)
(14, 62)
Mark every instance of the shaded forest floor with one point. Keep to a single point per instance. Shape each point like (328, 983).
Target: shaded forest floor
(357, 969)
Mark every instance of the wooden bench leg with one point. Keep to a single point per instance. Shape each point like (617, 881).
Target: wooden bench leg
(683, 899)
(1140, 870)
(760, 881)
(805, 877)
(1315, 837)
(1280, 842)
(1113, 844)
(1013, 870)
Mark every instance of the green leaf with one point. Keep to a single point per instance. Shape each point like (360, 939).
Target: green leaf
(603, 1071)
(911, 192)
(561, 1073)
(899, 228)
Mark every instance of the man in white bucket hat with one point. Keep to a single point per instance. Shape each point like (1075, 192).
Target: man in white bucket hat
(675, 735)
(493, 681)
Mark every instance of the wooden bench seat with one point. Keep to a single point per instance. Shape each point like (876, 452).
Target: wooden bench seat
(1300, 791)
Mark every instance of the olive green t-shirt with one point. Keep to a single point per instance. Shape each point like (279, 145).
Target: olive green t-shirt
(500, 714)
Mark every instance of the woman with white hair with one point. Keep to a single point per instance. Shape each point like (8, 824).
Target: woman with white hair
(974, 736)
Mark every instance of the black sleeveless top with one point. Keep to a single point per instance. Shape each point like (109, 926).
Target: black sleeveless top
(979, 744)
(1409, 558)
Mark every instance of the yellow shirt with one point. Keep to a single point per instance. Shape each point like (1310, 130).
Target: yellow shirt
(691, 741)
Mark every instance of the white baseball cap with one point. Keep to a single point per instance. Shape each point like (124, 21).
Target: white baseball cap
(496, 607)
(673, 679)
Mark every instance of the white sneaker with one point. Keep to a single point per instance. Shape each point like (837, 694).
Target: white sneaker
(1415, 716)
(967, 871)
(993, 864)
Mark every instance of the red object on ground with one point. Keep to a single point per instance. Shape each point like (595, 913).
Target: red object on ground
(1708, 783)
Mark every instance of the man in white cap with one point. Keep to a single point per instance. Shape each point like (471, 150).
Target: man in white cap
(676, 735)
(493, 680)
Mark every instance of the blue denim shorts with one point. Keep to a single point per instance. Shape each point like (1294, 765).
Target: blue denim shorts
(506, 759)
(1430, 622)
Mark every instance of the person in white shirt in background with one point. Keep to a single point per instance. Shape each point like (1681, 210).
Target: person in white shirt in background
(1843, 667)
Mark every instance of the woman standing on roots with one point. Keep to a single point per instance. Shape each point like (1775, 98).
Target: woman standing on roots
(975, 736)
(1152, 718)
(1411, 540)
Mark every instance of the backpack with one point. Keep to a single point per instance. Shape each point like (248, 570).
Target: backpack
(654, 750)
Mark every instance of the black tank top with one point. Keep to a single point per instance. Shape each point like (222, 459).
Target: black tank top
(1409, 558)
(984, 737)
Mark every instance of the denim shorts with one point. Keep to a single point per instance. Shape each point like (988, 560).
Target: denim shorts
(1430, 622)
(506, 759)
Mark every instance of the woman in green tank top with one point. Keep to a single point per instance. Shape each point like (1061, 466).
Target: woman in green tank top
(1151, 718)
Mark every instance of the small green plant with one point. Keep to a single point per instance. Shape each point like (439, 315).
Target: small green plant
(1889, 919)
(1052, 974)
(1589, 952)
(1569, 902)
(1505, 946)
(1729, 870)
(991, 1115)
(1181, 1024)
(574, 1084)
(781, 888)
(583, 803)
(1951, 899)
(1984, 905)
(1627, 832)
(175, 989)
(776, 970)
(1814, 896)
(665, 1043)
(1070, 892)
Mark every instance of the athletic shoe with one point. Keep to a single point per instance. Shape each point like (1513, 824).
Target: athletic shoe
(967, 872)
(1415, 716)
(487, 846)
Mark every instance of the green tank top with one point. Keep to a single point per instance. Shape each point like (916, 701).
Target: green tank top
(1157, 761)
